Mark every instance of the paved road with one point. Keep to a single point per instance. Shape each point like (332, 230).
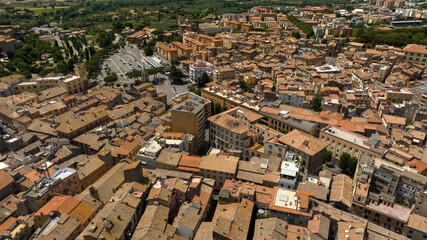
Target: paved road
(171, 90)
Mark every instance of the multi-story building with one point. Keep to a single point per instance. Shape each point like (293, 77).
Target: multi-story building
(167, 52)
(343, 141)
(407, 109)
(415, 53)
(229, 132)
(289, 172)
(308, 149)
(293, 98)
(397, 96)
(74, 84)
(292, 206)
(178, 99)
(183, 50)
(219, 166)
(91, 171)
(72, 127)
(391, 122)
(194, 44)
(384, 193)
(128, 150)
(228, 98)
(190, 117)
(223, 74)
(149, 152)
(8, 186)
(197, 69)
(64, 181)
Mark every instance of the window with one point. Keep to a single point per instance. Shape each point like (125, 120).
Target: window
(270, 147)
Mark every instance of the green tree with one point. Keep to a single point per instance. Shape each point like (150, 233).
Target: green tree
(87, 56)
(154, 71)
(148, 51)
(316, 103)
(158, 33)
(224, 108)
(327, 157)
(217, 108)
(201, 82)
(352, 165)
(175, 74)
(344, 161)
(134, 74)
(111, 78)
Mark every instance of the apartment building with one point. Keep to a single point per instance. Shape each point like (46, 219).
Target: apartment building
(228, 98)
(90, 171)
(229, 132)
(183, 50)
(221, 74)
(407, 109)
(282, 120)
(293, 98)
(291, 206)
(385, 193)
(391, 122)
(343, 141)
(13, 80)
(309, 150)
(74, 84)
(194, 44)
(72, 127)
(397, 96)
(415, 53)
(64, 181)
(218, 166)
(190, 117)
(167, 52)
(178, 99)
(197, 69)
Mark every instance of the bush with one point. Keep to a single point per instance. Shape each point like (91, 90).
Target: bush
(284, 131)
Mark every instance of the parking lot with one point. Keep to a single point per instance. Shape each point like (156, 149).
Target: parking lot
(121, 62)
(131, 58)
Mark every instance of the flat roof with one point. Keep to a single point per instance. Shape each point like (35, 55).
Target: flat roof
(348, 136)
(285, 198)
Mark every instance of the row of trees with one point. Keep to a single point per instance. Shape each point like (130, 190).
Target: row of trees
(304, 27)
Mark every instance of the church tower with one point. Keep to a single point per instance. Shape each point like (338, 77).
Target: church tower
(144, 75)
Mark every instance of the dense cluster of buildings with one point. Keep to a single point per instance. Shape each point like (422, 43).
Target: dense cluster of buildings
(247, 158)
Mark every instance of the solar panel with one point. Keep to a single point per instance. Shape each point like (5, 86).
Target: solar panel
(283, 197)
